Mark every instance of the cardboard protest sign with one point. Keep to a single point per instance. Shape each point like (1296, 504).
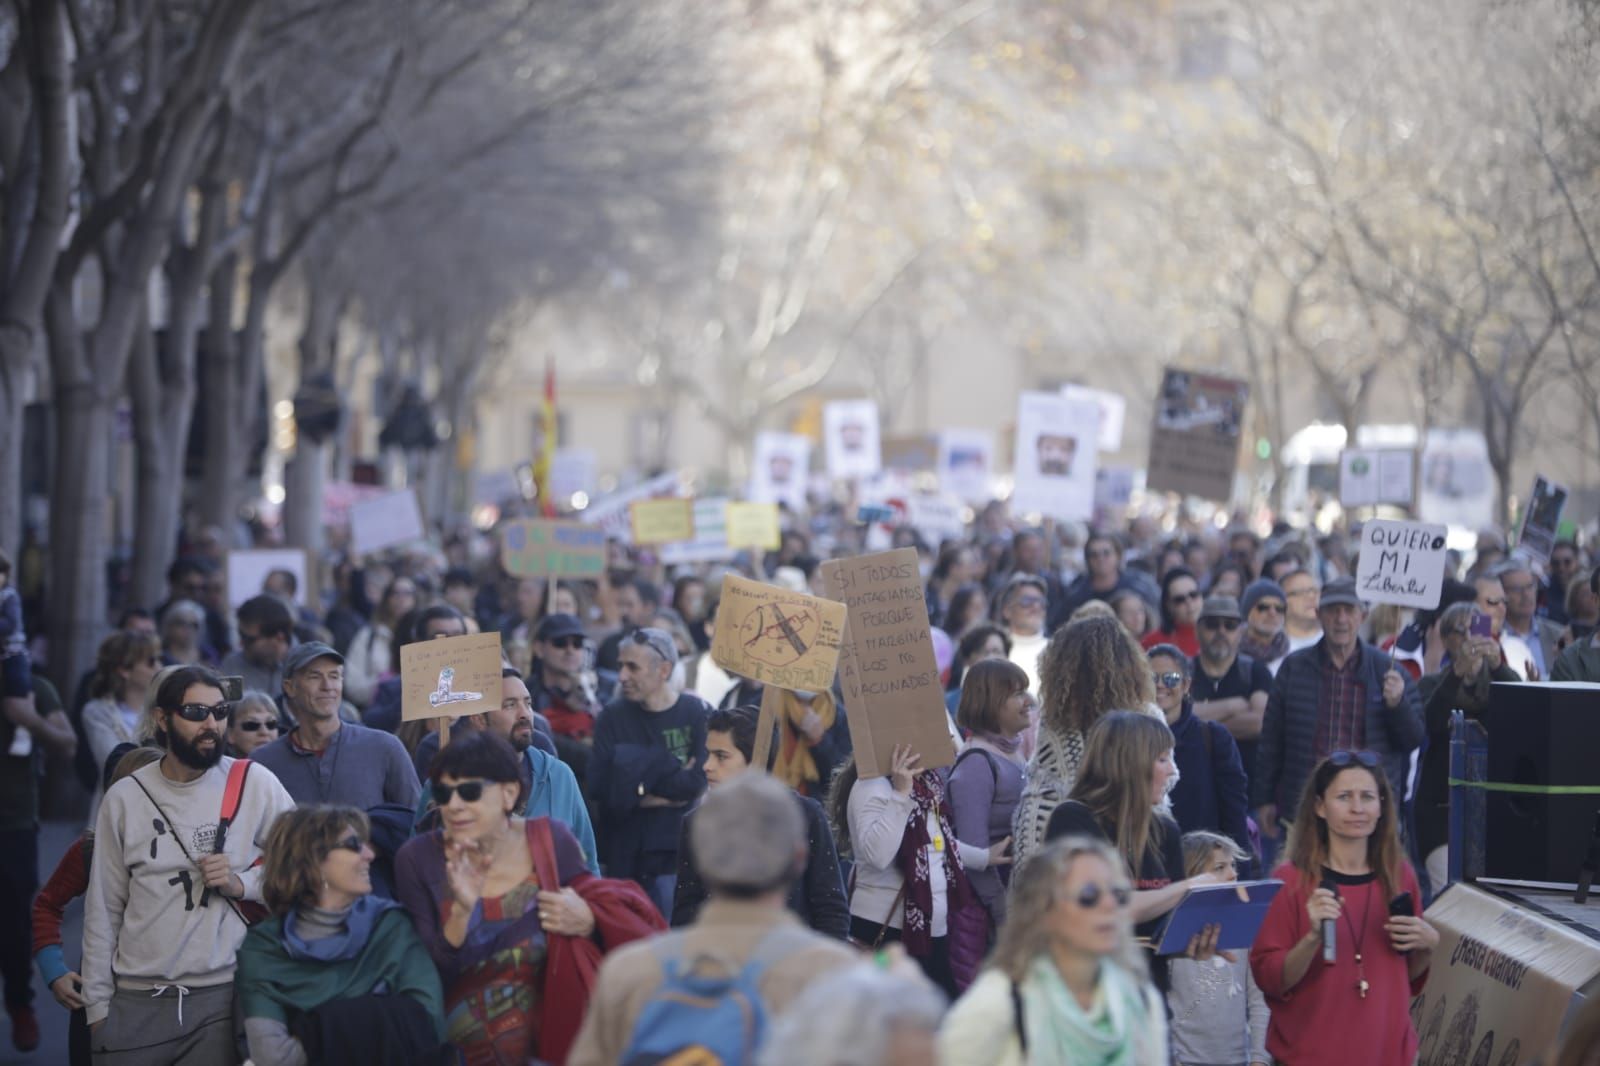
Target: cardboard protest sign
(666, 521)
(1401, 562)
(247, 572)
(385, 521)
(1194, 438)
(1370, 476)
(966, 463)
(1540, 520)
(1113, 412)
(1056, 455)
(850, 438)
(450, 677)
(781, 638)
(614, 514)
(753, 525)
(910, 454)
(886, 665)
(778, 473)
(710, 541)
(1504, 979)
(535, 547)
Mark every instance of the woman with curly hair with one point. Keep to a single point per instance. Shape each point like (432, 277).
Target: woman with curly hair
(1090, 667)
(1066, 983)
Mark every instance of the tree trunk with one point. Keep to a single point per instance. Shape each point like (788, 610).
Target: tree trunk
(163, 407)
(302, 506)
(12, 378)
(225, 459)
(80, 528)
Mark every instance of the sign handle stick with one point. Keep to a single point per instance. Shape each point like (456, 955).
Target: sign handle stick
(771, 701)
(442, 724)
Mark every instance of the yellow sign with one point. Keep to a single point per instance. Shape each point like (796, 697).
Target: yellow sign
(450, 677)
(662, 521)
(753, 525)
(780, 638)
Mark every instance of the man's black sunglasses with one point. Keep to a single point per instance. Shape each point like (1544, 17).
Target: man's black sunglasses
(199, 712)
(1369, 759)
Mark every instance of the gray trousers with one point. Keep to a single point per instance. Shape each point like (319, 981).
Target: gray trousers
(167, 1028)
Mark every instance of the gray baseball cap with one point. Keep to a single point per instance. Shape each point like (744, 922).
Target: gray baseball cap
(303, 655)
(1340, 591)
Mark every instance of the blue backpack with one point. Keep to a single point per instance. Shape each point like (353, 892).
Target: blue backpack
(708, 1011)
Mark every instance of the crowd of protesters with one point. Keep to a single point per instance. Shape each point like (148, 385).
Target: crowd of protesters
(597, 872)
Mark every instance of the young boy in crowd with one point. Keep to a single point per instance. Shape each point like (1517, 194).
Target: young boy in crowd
(1219, 1017)
(16, 669)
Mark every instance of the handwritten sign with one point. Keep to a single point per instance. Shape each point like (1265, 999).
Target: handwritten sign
(450, 677)
(531, 547)
(1401, 562)
(780, 638)
(385, 521)
(667, 521)
(886, 665)
(754, 525)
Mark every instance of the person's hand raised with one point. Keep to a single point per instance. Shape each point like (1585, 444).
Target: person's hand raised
(903, 764)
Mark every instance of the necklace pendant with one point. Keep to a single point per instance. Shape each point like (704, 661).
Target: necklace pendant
(1362, 985)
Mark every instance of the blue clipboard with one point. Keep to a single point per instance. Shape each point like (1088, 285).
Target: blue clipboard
(1239, 908)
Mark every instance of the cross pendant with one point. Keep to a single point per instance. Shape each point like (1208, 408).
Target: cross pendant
(1362, 986)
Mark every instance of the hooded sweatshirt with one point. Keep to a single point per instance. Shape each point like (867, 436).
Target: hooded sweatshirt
(148, 917)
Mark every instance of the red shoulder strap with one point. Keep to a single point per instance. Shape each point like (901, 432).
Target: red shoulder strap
(234, 792)
(542, 849)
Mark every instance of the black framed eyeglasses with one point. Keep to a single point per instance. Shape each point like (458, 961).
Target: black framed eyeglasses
(199, 712)
(256, 727)
(1169, 679)
(1369, 759)
(1089, 895)
(471, 792)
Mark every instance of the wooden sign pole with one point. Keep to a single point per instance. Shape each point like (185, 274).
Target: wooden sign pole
(771, 702)
(443, 724)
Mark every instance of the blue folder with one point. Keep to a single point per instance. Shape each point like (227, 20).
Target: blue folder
(1239, 908)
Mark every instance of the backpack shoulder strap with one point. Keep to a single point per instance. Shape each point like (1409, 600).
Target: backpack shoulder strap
(994, 771)
(542, 849)
(233, 792)
(1017, 1018)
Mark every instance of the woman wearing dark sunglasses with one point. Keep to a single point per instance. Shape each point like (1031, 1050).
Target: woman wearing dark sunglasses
(1180, 610)
(1212, 792)
(329, 944)
(1066, 983)
(506, 903)
(1346, 867)
(253, 724)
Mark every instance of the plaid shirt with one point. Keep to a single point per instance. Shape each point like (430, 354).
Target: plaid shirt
(1341, 706)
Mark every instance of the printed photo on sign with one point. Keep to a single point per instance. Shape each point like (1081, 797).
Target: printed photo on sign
(1194, 436)
(1192, 402)
(254, 571)
(850, 429)
(966, 462)
(1056, 456)
(1541, 519)
(1401, 563)
(781, 466)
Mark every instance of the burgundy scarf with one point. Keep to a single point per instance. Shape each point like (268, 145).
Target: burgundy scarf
(1266, 653)
(916, 931)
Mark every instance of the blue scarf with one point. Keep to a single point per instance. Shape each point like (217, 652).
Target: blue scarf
(344, 945)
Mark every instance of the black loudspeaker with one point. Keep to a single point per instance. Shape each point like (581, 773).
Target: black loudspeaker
(1542, 735)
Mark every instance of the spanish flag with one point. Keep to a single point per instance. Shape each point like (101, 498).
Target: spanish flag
(548, 430)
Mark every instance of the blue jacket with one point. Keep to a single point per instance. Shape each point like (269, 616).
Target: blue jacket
(1212, 791)
(549, 790)
(1286, 753)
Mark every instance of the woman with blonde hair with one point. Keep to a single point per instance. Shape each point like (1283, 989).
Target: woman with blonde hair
(1066, 984)
(124, 673)
(1090, 667)
(330, 944)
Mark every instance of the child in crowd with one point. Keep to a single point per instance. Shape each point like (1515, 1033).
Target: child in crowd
(1219, 1016)
(16, 669)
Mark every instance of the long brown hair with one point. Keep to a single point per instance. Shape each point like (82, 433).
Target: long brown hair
(1308, 841)
(1114, 781)
(1091, 666)
(984, 690)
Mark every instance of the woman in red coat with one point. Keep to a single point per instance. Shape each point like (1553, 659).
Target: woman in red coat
(1345, 865)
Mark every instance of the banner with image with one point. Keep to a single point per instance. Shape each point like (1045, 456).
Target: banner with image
(1194, 437)
(1056, 456)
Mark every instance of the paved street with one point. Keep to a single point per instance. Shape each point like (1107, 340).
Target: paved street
(53, 840)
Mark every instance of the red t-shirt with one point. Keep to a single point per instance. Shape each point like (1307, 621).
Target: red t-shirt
(1324, 1019)
(1185, 638)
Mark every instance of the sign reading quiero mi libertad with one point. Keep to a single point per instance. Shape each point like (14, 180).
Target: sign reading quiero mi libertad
(1401, 562)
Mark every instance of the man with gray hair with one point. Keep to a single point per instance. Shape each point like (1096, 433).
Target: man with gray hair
(647, 765)
(1542, 636)
(749, 841)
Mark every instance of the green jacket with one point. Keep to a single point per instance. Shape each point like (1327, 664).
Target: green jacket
(1580, 662)
(272, 985)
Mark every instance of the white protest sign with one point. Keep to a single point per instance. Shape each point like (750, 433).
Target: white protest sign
(1370, 476)
(1113, 410)
(966, 463)
(572, 470)
(248, 571)
(850, 433)
(1401, 563)
(778, 473)
(614, 514)
(1056, 456)
(937, 516)
(1113, 486)
(384, 521)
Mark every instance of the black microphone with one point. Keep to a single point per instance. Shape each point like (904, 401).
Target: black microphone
(1330, 926)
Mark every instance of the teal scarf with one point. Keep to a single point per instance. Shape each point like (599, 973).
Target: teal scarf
(1113, 1032)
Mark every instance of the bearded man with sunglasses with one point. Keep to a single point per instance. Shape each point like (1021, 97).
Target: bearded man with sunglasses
(161, 923)
(1230, 688)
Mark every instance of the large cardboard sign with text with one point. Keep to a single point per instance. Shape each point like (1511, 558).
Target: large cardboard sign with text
(1401, 562)
(1502, 981)
(1194, 438)
(886, 666)
(450, 677)
(777, 637)
(535, 547)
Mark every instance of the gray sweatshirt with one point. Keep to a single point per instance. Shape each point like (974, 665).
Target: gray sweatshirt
(148, 920)
(1219, 1016)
